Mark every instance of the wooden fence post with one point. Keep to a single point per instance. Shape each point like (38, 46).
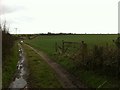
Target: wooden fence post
(56, 46)
(63, 46)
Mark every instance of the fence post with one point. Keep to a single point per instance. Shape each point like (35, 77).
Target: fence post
(62, 46)
(56, 46)
(82, 49)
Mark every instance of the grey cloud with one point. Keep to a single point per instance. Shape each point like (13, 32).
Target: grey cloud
(9, 9)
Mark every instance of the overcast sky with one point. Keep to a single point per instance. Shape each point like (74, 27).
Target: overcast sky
(68, 16)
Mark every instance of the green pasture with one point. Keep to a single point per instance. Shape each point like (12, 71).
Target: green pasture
(46, 44)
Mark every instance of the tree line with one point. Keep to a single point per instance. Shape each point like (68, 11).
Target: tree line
(8, 41)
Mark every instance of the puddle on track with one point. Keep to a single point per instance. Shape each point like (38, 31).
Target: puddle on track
(19, 81)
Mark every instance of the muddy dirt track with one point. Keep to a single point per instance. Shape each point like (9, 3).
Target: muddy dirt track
(64, 77)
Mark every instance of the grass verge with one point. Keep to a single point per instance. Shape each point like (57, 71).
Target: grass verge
(9, 66)
(40, 73)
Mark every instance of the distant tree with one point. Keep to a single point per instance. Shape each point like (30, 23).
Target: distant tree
(49, 33)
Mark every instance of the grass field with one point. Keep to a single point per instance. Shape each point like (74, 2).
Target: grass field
(40, 73)
(47, 44)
